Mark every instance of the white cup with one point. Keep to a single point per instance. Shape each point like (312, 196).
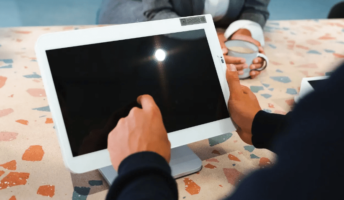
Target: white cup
(249, 57)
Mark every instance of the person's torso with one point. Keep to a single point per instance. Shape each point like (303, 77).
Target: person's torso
(217, 8)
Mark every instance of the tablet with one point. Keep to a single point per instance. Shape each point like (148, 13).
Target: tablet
(308, 85)
(93, 76)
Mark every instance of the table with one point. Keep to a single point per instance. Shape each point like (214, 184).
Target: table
(31, 165)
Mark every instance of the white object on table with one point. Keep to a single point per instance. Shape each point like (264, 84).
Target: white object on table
(306, 87)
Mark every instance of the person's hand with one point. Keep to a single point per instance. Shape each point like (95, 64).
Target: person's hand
(244, 34)
(239, 63)
(242, 104)
(141, 130)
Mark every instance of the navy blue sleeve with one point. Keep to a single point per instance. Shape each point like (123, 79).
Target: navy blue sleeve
(310, 153)
(143, 176)
(266, 127)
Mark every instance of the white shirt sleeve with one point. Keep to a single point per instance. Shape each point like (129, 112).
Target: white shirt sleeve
(217, 8)
(253, 27)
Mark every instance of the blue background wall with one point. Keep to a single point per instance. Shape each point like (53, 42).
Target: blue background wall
(82, 12)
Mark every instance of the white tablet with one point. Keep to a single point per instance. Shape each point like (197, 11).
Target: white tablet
(308, 85)
(93, 76)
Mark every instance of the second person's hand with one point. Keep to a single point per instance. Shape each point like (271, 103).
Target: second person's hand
(141, 130)
(239, 63)
(242, 104)
(245, 35)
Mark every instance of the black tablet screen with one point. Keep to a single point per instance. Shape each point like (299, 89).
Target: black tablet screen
(97, 84)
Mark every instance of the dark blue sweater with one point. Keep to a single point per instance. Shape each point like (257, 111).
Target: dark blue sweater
(309, 143)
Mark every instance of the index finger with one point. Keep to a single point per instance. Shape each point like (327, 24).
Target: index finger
(233, 80)
(234, 60)
(146, 101)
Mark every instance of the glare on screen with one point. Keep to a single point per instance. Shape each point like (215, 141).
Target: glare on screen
(160, 55)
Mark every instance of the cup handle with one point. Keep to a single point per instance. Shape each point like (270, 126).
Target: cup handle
(265, 63)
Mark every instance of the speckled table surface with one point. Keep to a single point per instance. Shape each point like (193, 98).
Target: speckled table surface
(31, 165)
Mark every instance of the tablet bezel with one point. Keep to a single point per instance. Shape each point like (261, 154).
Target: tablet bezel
(99, 159)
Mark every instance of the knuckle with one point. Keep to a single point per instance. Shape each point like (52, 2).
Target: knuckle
(230, 58)
(134, 111)
(234, 76)
(120, 121)
(239, 67)
(245, 87)
(155, 111)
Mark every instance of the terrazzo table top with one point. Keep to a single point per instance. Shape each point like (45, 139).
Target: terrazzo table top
(31, 165)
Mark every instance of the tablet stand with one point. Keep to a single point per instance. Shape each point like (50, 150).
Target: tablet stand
(183, 162)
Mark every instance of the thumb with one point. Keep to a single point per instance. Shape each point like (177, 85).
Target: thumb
(147, 102)
(233, 80)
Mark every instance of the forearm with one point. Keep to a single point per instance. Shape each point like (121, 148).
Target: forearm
(144, 175)
(158, 9)
(256, 10)
(266, 127)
